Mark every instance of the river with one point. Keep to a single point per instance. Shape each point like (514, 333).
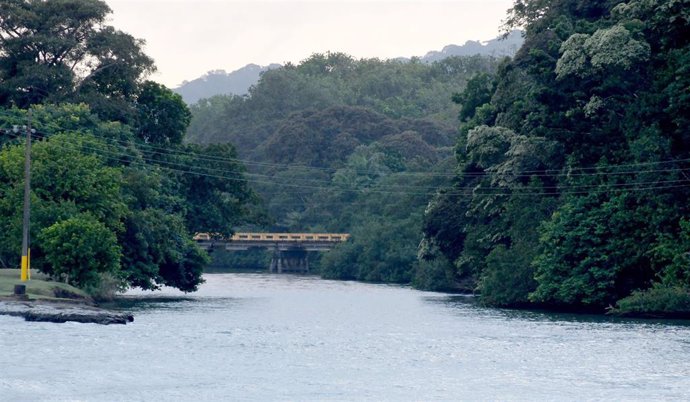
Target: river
(246, 337)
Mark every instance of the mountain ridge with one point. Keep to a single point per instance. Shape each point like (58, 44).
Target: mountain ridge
(238, 82)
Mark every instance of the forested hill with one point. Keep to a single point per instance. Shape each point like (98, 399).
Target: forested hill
(238, 82)
(339, 144)
(218, 82)
(571, 178)
(499, 47)
(395, 89)
(574, 177)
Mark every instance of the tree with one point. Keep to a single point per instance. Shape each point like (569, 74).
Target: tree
(60, 51)
(163, 116)
(81, 250)
(477, 93)
(72, 191)
(111, 184)
(583, 143)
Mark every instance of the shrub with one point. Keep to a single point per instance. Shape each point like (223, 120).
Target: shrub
(79, 250)
(657, 301)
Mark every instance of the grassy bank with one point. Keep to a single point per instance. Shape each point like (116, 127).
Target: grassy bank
(39, 287)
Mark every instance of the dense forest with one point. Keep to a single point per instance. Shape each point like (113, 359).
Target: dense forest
(238, 82)
(569, 182)
(557, 178)
(572, 181)
(344, 145)
(114, 200)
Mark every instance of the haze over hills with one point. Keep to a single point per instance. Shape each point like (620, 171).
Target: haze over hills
(497, 47)
(238, 82)
(218, 82)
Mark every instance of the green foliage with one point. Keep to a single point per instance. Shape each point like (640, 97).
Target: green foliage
(66, 182)
(80, 249)
(605, 50)
(163, 115)
(672, 254)
(659, 301)
(477, 93)
(94, 176)
(436, 275)
(508, 277)
(381, 251)
(218, 198)
(574, 172)
(328, 137)
(279, 101)
(256, 259)
(62, 51)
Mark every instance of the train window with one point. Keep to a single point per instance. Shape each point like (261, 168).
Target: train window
(309, 237)
(256, 237)
(335, 237)
(243, 236)
(282, 237)
(323, 237)
(269, 236)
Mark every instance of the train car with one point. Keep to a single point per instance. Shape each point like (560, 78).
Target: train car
(290, 237)
(280, 237)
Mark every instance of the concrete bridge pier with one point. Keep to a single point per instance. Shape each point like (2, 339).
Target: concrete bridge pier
(289, 261)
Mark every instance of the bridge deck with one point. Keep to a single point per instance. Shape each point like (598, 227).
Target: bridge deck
(276, 241)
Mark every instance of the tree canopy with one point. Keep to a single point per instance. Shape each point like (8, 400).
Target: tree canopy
(576, 164)
(63, 51)
(116, 196)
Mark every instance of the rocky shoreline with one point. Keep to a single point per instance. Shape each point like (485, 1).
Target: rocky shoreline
(60, 311)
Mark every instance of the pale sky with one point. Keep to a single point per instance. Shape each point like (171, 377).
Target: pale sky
(188, 38)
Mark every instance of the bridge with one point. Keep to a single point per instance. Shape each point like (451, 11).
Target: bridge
(289, 249)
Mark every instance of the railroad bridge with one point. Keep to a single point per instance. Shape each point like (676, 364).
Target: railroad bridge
(289, 249)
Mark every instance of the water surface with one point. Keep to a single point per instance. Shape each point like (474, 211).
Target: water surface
(280, 337)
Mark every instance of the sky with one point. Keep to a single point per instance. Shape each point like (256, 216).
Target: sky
(188, 38)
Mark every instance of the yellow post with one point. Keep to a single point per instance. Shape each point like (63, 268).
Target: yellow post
(25, 268)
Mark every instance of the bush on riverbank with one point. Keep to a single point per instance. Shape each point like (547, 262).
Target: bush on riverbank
(657, 301)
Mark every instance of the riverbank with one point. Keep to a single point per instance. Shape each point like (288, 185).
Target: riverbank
(50, 301)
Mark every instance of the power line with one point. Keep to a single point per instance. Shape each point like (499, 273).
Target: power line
(641, 186)
(526, 173)
(236, 175)
(330, 182)
(572, 171)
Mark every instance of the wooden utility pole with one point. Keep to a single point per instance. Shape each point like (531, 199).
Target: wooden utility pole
(26, 251)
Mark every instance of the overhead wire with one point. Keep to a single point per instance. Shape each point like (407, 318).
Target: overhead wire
(573, 171)
(549, 172)
(534, 173)
(220, 173)
(639, 186)
(570, 171)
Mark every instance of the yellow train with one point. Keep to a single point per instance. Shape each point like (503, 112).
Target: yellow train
(272, 237)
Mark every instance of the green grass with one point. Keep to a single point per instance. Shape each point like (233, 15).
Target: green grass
(38, 287)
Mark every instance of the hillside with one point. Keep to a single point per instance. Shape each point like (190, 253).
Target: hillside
(572, 181)
(411, 90)
(340, 144)
(497, 47)
(221, 82)
(238, 82)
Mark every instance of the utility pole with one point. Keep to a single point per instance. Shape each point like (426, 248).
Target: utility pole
(26, 251)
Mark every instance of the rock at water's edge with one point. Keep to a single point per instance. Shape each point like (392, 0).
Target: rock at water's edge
(62, 312)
